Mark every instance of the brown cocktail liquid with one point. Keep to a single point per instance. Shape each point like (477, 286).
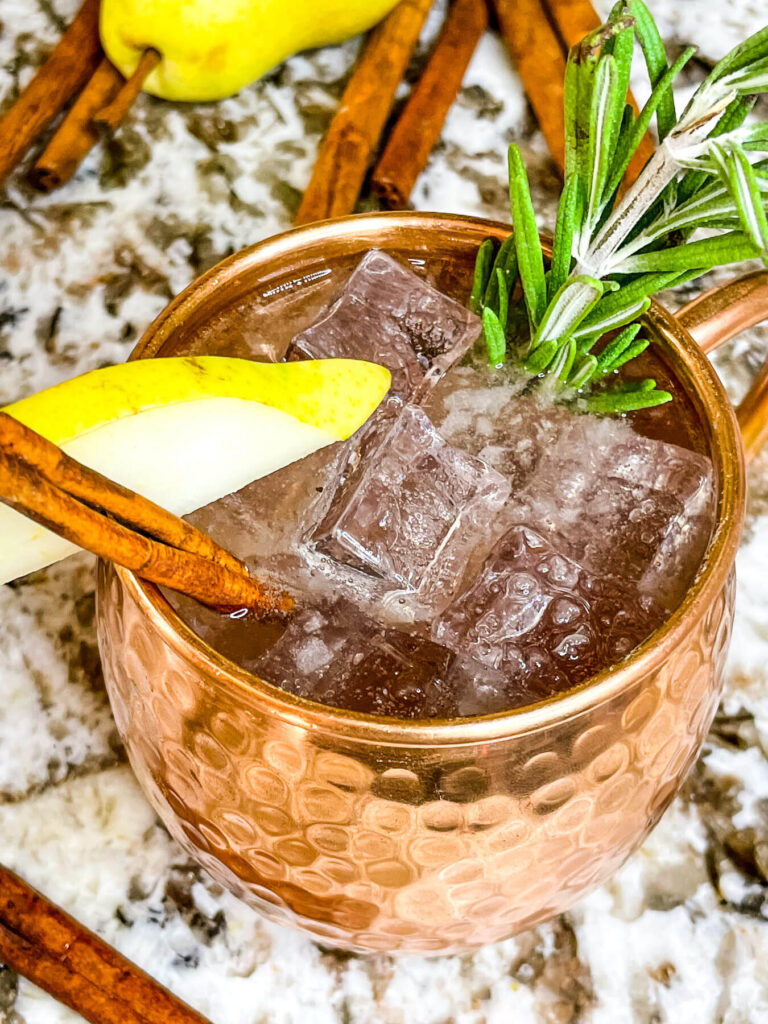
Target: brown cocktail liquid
(475, 547)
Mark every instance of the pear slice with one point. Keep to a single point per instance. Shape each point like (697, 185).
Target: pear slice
(186, 431)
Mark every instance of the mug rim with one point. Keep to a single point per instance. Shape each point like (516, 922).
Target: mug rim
(702, 384)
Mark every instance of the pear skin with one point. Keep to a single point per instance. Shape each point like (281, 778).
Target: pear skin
(333, 395)
(211, 49)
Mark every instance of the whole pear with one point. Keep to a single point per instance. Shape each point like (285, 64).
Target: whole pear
(212, 48)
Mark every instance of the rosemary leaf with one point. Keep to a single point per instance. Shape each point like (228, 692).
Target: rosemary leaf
(583, 373)
(573, 301)
(683, 277)
(656, 62)
(634, 386)
(530, 259)
(732, 247)
(503, 294)
(738, 174)
(561, 365)
(622, 48)
(629, 296)
(495, 339)
(541, 357)
(757, 139)
(753, 78)
(572, 133)
(506, 261)
(748, 52)
(603, 128)
(614, 349)
(483, 262)
(579, 80)
(588, 334)
(662, 89)
(629, 353)
(568, 222)
(626, 401)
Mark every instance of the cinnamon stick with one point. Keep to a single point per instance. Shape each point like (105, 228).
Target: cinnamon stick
(112, 115)
(539, 60)
(66, 986)
(77, 134)
(129, 508)
(357, 126)
(48, 947)
(418, 127)
(220, 582)
(64, 73)
(574, 19)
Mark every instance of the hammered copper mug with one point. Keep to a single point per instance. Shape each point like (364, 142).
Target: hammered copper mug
(429, 837)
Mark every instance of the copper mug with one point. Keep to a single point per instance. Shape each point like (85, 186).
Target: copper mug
(427, 837)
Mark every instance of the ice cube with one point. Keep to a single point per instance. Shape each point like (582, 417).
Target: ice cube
(388, 314)
(482, 412)
(417, 510)
(336, 656)
(478, 689)
(541, 618)
(270, 515)
(625, 504)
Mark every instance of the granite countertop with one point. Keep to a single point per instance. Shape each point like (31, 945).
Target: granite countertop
(679, 934)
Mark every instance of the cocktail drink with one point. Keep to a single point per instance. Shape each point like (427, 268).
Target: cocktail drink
(396, 833)
(512, 585)
(476, 546)
(504, 528)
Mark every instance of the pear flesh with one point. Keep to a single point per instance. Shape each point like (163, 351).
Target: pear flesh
(210, 49)
(184, 454)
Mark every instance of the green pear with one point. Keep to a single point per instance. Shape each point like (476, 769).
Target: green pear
(212, 48)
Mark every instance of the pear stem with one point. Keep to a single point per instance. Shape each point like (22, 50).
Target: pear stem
(110, 117)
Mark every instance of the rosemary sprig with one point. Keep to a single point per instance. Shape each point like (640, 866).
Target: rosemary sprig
(612, 252)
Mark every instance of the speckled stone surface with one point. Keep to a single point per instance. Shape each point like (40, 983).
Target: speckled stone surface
(680, 934)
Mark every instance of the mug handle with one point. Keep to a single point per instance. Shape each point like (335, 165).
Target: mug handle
(719, 315)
